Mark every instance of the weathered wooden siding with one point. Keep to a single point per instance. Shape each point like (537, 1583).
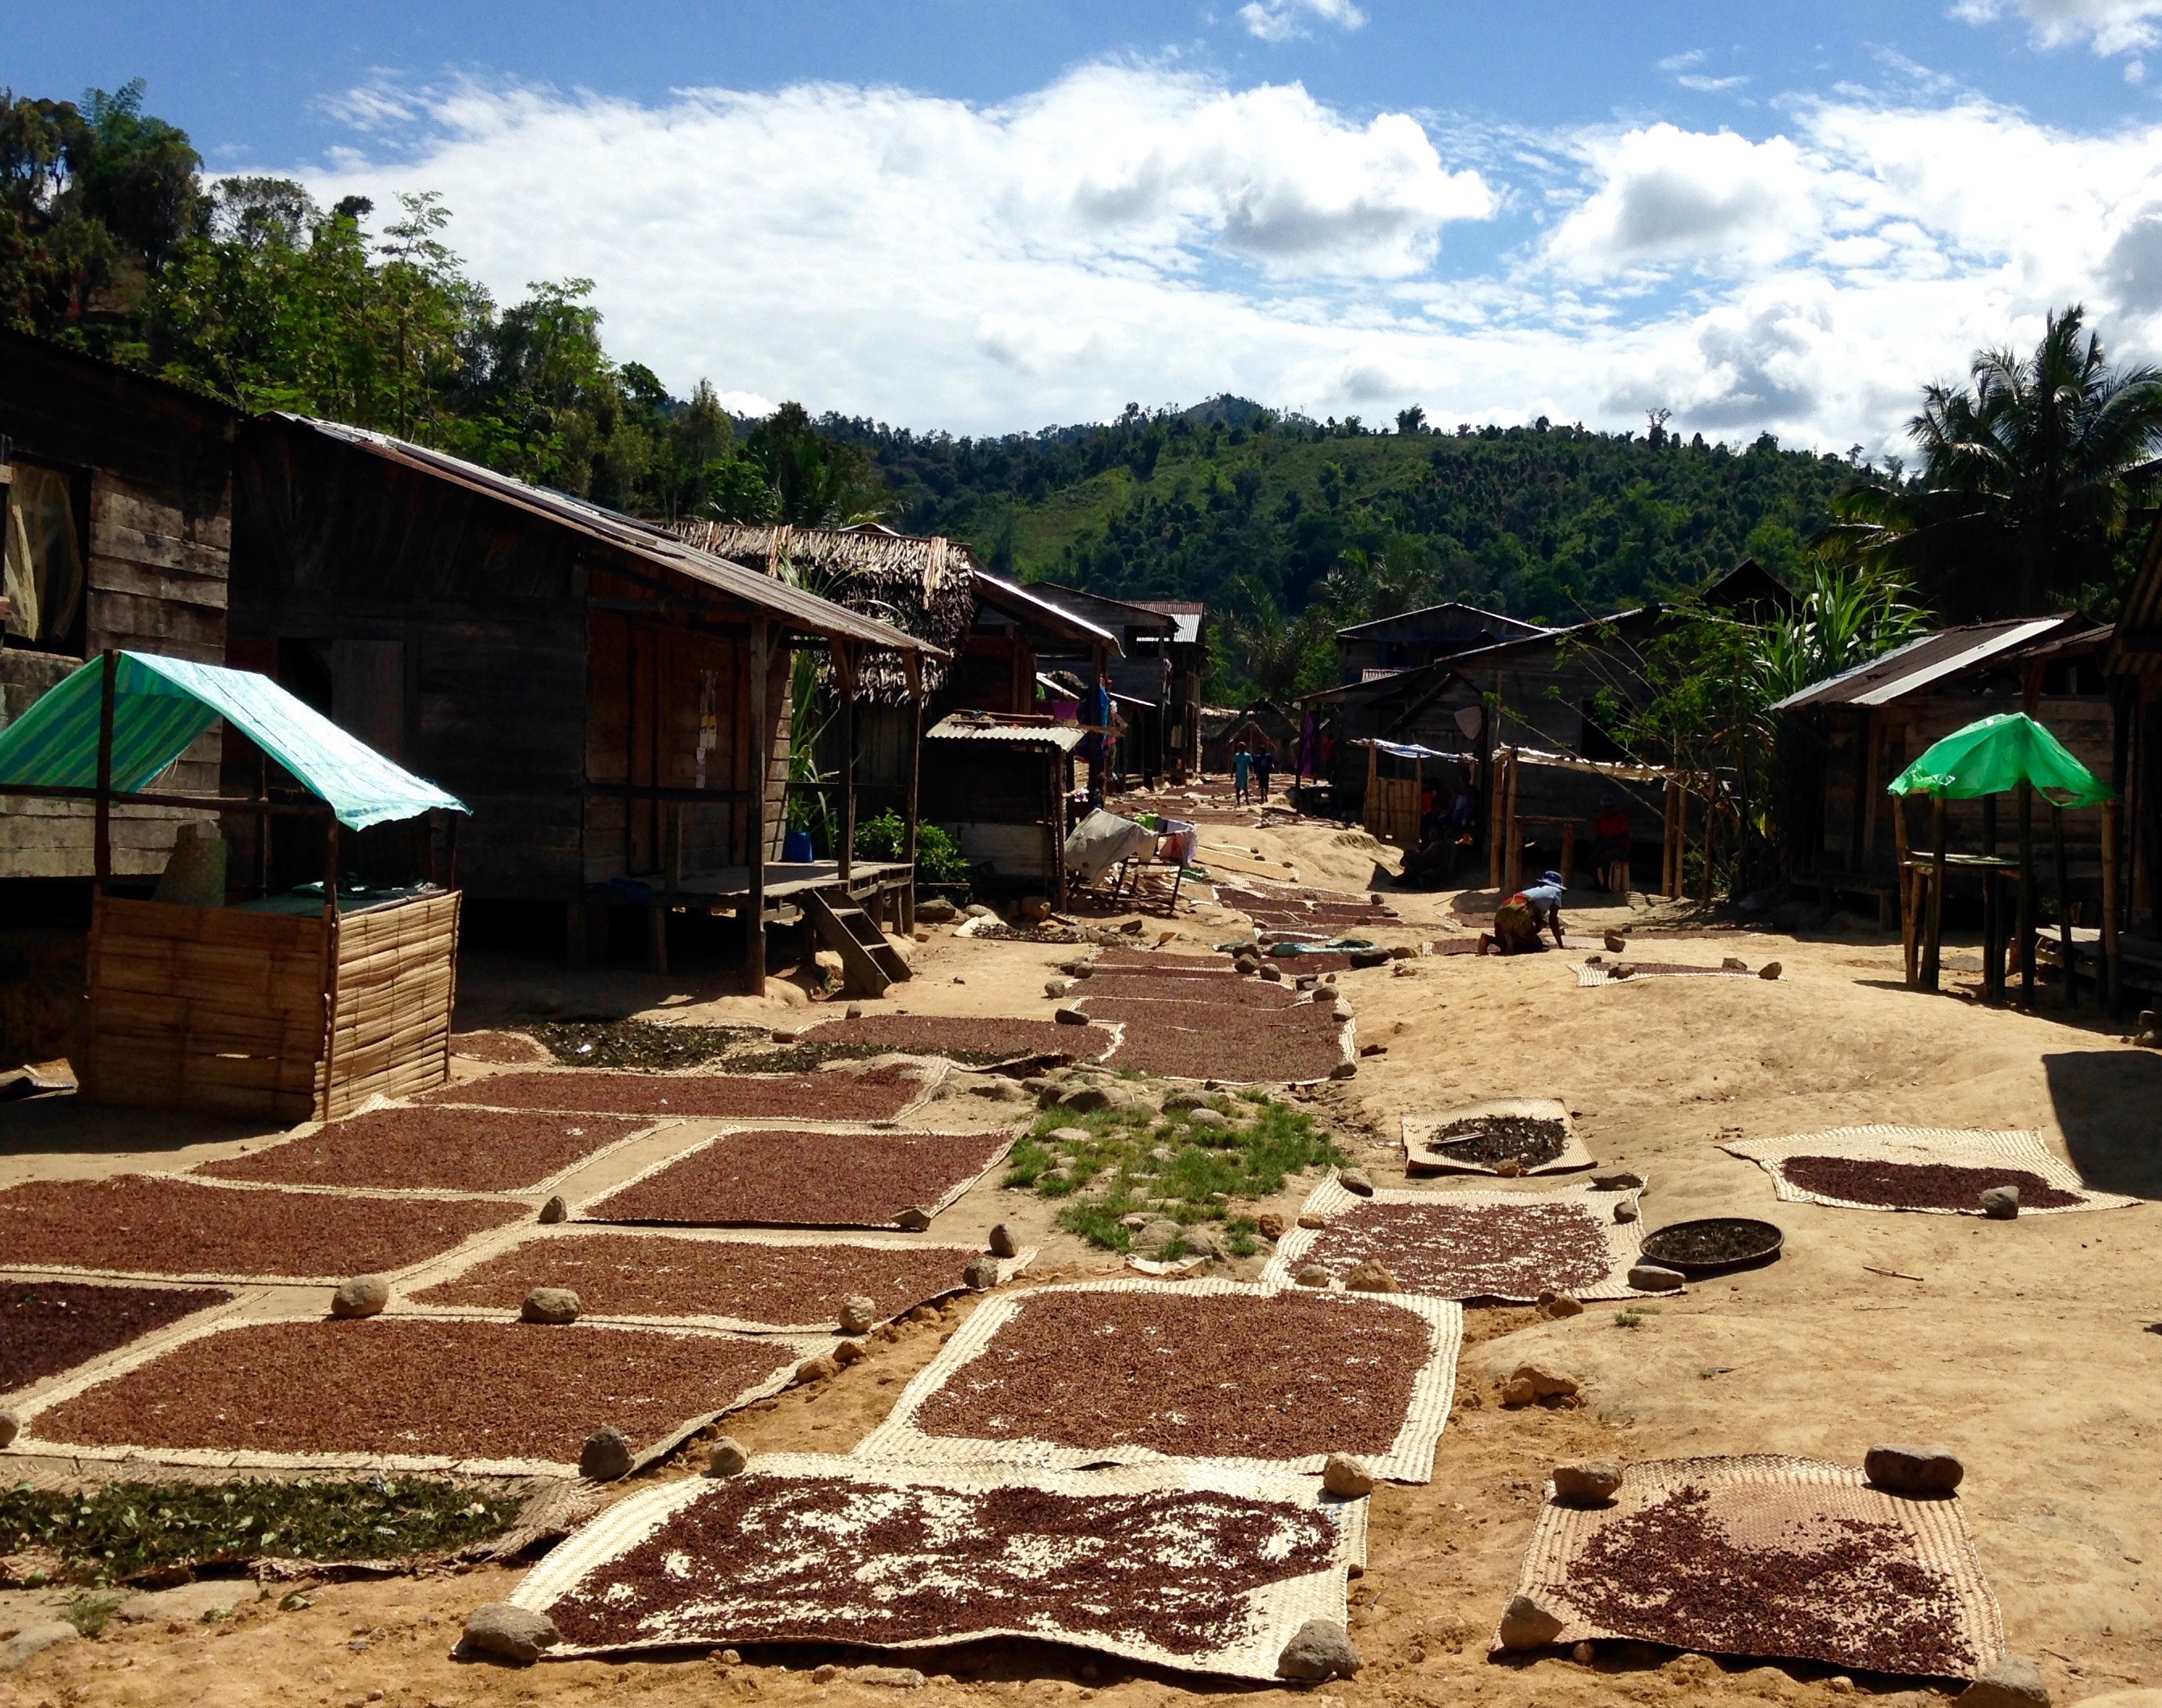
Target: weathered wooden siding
(158, 534)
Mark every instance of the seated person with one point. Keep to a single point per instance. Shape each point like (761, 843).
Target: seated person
(1518, 921)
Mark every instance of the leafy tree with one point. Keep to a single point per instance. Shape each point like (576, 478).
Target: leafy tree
(2030, 478)
(816, 482)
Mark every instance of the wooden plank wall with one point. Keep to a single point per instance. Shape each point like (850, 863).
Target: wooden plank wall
(390, 1031)
(157, 574)
(205, 1008)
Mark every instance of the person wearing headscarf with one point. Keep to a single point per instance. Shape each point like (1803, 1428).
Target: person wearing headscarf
(1519, 921)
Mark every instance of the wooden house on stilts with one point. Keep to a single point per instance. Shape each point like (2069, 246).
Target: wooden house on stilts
(612, 701)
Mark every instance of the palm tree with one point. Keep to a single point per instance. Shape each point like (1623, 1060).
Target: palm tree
(2029, 482)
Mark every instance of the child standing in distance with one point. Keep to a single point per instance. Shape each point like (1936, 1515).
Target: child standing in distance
(1242, 769)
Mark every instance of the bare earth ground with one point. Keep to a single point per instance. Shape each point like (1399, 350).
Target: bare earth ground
(2021, 1345)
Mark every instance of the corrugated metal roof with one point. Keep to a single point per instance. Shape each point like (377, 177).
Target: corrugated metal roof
(1015, 597)
(1186, 614)
(1908, 669)
(802, 611)
(1103, 608)
(1410, 620)
(1065, 737)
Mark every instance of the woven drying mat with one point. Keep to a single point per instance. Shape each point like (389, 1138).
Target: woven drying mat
(987, 1042)
(434, 1150)
(1227, 990)
(473, 1395)
(1198, 1568)
(1509, 1247)
(2014, 1150)
(883, 1091)
(750, 1283)
(1177, 1039)
(1172, 1361)
(1423, 1151)
(51, 1330)
(805, 1179)
(1771, 1558)
(1591, 978)
(151, 1227)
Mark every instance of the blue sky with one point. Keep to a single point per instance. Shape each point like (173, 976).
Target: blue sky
(988, 215)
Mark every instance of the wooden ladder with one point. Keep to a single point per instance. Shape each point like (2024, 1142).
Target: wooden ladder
(868, 962)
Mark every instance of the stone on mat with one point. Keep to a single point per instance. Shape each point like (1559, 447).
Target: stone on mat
(556, 1209)
(1319, 1649)
(515, 1633)
(1770, 969)
(1509, 1167)
(1002, 1242)
(1625, 1211)
(1908, 1469)
(982, 1274)
(1056, 987)
(32, 1640)
(1311, 1218)
(1525, 1624)
(1313, 1275)
(1069, 1017)
(1356, 1180)
(10, 1426)
(915, 1219)
(1342, 1475)
(1370, 1276)
(1653, 1277)
(555, 1305)
(1272, 975)
(1733, 963)
(1587, 1484)
(361, 1296)
(728, 1457)
(1621, 969)
(2000, 1204)
(1560, 1304)
(606, 1455)
(859, 1315)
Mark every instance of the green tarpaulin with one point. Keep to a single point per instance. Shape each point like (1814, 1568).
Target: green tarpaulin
(1998, 754)
(161, 704)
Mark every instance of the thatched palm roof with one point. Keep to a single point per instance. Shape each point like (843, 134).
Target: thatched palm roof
(922, 585)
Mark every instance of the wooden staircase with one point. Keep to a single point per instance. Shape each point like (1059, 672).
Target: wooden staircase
(869, 962)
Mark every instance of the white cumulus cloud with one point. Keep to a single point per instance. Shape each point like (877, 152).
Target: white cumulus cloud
(1281, 20)
(2108, 26)
(1136, 231)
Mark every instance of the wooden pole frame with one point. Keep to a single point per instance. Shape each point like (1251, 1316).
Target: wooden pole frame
(2026, 910)
(843, 654)
(2111, 988)
(1992, 919)
(1908, 887)
(1496, 819)
(2065, 909)
(101, 832)
(753, 910)
(1933, 943)
(911, 665)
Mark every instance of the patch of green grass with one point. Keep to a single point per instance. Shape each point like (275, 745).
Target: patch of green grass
(90, 1614)
(1113, 1170)
(124, 1529)
(1633, 1318)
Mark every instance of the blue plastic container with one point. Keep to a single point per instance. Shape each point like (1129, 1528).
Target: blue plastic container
(796, 848)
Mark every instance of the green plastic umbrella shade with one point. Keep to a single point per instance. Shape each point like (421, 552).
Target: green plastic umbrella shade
(1994, 756)
(159, 705)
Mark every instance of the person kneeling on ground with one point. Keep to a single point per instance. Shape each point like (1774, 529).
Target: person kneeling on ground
(1518, 921)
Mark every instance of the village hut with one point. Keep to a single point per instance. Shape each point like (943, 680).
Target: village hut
(612, 701)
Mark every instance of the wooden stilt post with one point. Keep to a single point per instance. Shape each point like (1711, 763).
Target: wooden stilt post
(2065, 909)
(101, 831)
(1907, 886)
(1993, 914)
(912, 664)
(1934, 942)
(2110, 989)
(754, 905)
(1512, 871)
(1496, 819)
(2026, 914)
(843, 654)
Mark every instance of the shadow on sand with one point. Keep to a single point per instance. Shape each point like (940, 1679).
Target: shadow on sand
(2105, 1102)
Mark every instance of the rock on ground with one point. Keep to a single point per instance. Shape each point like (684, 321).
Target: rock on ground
(1908, 1469)
(915, 1219)
(2001, 1203)
(2014, 1682)
(1002, 1242)
(1525, 1624)
(32, 1640)
(1560, 1304)
(1319, 1649)
(1586, 1484)
(606, 1455)
(859, 1315)
(515, 1633)
(555, 1305)
(1206, 1120)
(10, 1426)
(1651, 1277)
(361, 1296)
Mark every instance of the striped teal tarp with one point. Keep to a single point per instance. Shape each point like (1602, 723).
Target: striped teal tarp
(161, 704)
